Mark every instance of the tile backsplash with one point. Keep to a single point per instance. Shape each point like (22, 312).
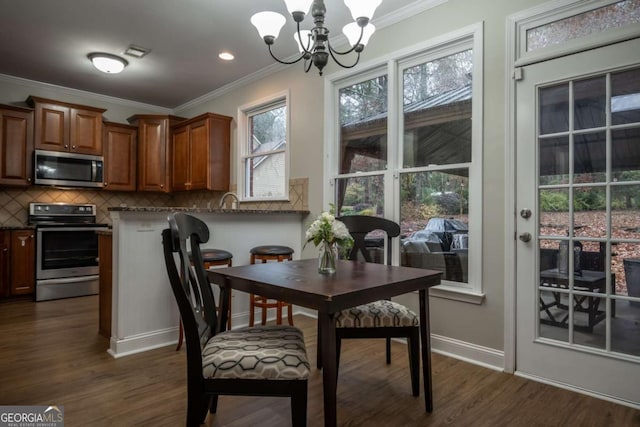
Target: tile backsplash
(14, 202)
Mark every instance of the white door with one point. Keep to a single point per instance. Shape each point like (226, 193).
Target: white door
(578, 204)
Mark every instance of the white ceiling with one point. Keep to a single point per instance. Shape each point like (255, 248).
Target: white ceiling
(49, 40)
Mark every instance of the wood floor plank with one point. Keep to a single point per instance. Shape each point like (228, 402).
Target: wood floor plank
(51, 353)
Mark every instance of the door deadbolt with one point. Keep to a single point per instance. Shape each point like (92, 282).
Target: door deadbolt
(525, 213)
(525, 237)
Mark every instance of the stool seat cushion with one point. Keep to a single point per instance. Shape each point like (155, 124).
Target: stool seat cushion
(210, 255)
(377, 314)
(257, 352)
(271, 250)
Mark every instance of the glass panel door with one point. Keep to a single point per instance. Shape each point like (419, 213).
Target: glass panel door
(578, 159)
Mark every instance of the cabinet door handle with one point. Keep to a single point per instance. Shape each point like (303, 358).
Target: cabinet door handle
(66, 146)
(74, 147)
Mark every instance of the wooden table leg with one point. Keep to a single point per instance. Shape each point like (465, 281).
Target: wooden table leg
(319, 346)
(223, 309)
(327, 323)
(425, 338)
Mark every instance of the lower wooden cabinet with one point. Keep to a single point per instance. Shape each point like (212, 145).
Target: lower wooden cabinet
(5, 260)
(17, 262)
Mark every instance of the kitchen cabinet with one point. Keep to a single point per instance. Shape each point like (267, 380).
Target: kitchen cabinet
(105, 273)
(22, 271)
(120, 156)
(16, 145)
(5, 243)
(154, 156)
(200, 153)
(60, 126)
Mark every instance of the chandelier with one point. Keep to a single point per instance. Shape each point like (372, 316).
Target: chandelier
(314, 45)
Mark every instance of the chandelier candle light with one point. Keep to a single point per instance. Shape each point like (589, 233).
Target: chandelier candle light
(314, 44)
(330, 234)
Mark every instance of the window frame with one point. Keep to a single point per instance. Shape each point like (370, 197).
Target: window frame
(470, 37)
(245, 112)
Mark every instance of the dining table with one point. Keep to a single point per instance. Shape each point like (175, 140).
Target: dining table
(354, 283)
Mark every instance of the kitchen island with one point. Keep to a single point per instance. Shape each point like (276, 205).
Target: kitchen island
(144, 312)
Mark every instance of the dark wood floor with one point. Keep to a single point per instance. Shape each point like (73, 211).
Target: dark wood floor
(51, 354)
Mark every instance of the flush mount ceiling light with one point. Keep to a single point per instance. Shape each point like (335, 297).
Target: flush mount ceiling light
(314, 45)
(108, 63)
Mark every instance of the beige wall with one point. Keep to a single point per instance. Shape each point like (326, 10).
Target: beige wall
(477, 324)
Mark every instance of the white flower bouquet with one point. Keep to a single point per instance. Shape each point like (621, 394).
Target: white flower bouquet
(330, 234)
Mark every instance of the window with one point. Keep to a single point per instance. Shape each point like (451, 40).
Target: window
(263, 133)
(615, 15)
(406, 148)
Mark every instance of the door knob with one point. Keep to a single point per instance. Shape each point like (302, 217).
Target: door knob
(525, 237)
(525, 213)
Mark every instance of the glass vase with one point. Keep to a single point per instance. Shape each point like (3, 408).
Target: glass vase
(327, 258)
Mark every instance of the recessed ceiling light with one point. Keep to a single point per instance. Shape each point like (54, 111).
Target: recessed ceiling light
(227, 56)
(108, 63)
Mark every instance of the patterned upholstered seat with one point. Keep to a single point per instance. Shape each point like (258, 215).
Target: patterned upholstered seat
(266, 352)
(377, 314)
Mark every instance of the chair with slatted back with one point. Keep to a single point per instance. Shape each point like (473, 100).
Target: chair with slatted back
(252, 361)
(379, 319)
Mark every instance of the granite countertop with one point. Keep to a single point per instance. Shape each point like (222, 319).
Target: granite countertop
(203, 210)
(17, 227)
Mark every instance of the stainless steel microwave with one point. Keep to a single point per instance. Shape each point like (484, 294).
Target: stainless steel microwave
(68, 169)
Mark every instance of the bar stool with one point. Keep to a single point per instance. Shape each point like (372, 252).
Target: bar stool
(210, 258)
(269, 253)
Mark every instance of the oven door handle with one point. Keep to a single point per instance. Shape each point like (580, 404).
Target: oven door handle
(80, 228)
(66, 280)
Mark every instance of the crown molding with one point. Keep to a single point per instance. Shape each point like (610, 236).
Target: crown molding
(77, 92)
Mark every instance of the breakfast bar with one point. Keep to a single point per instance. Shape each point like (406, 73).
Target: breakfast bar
(144, 313)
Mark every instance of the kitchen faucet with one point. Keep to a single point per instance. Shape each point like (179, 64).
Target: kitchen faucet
(224, 196)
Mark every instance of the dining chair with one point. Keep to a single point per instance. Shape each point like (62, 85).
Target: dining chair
(252, 361)
(380, 319)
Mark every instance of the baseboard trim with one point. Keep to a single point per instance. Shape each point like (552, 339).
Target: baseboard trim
(143, 342)
(569, 387)
(457, 349)
(468, 352)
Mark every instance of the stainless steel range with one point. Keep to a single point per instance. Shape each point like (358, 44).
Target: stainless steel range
(66, 249)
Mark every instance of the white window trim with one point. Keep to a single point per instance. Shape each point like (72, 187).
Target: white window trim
(470, 37)
(244, 111)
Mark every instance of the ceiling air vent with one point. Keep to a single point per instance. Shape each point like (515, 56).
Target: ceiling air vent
(136, 51)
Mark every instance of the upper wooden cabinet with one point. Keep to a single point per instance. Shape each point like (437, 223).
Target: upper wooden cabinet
(200, 153)
(154, 156)
(120, 154)
(60, 126)
(16, 145)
